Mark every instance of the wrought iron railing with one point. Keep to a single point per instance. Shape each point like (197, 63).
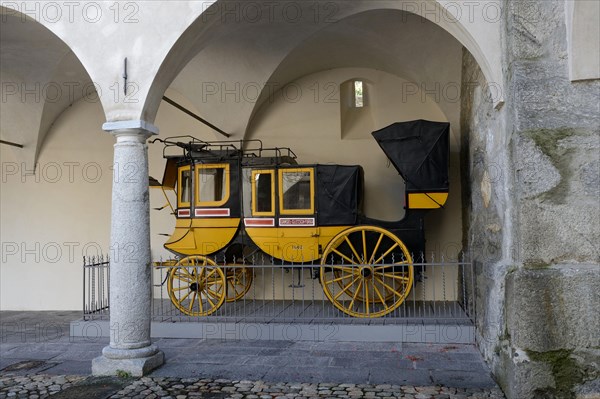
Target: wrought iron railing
(96, 280)
(263, 290)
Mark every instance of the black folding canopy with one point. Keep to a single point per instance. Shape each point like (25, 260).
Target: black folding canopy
(419, 150)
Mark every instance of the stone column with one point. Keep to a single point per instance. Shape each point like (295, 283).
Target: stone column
(130, 291)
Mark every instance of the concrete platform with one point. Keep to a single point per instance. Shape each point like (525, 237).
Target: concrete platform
(442, 322)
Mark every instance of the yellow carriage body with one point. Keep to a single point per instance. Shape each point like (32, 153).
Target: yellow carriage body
(300, 214)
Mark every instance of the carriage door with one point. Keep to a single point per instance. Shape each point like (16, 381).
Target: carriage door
(297, 223)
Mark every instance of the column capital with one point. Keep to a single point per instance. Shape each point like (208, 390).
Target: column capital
(143, 127)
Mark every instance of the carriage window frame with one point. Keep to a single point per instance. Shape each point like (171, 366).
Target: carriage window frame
(222, 201)
(180, 203)
(255, 212)
(305, 211)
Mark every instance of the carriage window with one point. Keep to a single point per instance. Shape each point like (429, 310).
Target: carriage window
(263, 194)
(213, 185)
(296, 192)
(184, 189)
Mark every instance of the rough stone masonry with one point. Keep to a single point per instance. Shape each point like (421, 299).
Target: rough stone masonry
(532, 186)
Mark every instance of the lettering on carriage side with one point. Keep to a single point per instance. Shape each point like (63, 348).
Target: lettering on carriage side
(212, 212)
(183, 213)
(259, 222)
(296, 221)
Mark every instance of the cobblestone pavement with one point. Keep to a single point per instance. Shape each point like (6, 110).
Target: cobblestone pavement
(43, 386)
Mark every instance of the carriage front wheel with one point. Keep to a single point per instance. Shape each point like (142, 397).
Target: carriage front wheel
(196, 286)
(366, 271)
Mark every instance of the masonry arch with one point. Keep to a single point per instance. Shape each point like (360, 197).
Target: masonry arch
(229, 43)
(41, 77)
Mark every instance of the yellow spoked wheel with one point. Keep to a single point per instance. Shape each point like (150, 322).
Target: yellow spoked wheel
(239, 280)
(196, 286)
(366, 271)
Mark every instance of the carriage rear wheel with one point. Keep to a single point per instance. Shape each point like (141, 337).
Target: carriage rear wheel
(239, 280)
(196, 286)
(366, 271)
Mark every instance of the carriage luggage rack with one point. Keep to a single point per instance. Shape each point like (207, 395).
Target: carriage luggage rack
(271, 292)
(251, 151)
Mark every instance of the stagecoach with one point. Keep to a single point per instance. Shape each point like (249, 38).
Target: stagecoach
(237, 199)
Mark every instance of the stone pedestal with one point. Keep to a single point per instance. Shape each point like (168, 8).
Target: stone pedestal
(130, 290)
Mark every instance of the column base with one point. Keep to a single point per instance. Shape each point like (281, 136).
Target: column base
(108, 364)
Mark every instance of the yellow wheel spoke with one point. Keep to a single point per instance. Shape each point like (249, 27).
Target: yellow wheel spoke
(184, 278)
(211, 273)
(184, 269)
(351, 270)
(345, 288)
(344, 256)
(192, 301)
(376, 248)
(367, 296)
(389, 287)
(200, 305)
(212, 293)
(352, 248)
(208, 298)
(364, 242)
(405, 279)
(184, 297)
(380, 296)
(386, 253)
(181, 288)
(355, 295)
(335, 280)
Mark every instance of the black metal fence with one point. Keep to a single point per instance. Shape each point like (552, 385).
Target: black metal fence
(96, 280)
(264, 290)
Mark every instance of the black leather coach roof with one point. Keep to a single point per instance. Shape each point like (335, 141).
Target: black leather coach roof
(420, 152)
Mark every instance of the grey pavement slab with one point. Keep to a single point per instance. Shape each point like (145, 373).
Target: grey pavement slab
(314, 374)
(71, 367)
(463, 379)
(389, 375)
(453, 365)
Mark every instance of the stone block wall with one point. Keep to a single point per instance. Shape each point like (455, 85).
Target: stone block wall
(531, 174)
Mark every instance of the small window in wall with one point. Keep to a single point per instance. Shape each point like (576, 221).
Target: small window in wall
(296, 191)
(212, 185)
(263, 193)
(359, 100)
(184, 187)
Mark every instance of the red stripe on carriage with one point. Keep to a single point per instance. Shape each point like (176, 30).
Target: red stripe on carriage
(259, 222)
(183, 213)
(213, 212)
